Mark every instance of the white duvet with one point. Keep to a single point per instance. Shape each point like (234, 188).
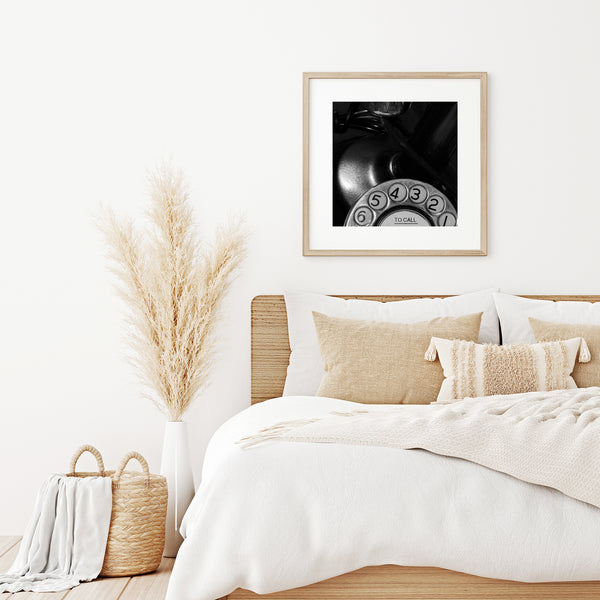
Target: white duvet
(284, 515)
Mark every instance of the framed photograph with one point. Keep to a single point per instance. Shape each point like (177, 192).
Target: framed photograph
(394, 164)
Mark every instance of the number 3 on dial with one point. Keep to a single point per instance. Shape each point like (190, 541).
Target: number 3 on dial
(418, 193)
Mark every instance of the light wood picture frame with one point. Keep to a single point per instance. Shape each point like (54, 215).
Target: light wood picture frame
(406, 149)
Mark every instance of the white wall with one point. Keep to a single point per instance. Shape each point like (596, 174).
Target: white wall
(93, 93)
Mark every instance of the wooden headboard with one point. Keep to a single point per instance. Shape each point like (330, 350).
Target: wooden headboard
(270, 346)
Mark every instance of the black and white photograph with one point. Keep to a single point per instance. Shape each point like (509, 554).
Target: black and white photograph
(394, 164)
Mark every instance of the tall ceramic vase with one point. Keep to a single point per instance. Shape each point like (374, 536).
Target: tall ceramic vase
(177, 468)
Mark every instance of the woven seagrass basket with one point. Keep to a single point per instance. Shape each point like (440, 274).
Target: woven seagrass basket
(136, 537)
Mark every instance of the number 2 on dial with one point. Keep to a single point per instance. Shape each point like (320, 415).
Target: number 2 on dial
(435, 205)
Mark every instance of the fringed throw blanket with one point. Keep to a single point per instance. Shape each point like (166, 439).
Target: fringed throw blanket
(66, 537)
(545, 438)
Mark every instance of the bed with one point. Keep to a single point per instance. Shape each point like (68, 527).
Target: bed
(270, 353)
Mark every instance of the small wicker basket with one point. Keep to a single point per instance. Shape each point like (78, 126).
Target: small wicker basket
(136, 537)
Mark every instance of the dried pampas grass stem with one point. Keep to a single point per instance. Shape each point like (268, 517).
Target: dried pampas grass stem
(173, 285)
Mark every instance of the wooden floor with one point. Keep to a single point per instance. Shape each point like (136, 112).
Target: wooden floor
(144, 587)
(386, 582)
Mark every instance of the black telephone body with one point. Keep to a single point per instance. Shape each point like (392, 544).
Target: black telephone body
(394, 164)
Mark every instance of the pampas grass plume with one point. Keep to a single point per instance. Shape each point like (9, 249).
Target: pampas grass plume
(173, 284)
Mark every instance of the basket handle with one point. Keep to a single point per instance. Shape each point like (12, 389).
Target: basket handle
(92, 450)
(126, 459)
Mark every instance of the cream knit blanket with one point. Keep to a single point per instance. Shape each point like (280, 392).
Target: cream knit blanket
(546, 438)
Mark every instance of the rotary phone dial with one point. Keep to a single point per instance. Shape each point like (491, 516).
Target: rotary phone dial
(402, 202)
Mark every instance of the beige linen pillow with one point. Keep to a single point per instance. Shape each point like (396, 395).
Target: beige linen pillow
(473, 370)
(584, 374)
(377, 362)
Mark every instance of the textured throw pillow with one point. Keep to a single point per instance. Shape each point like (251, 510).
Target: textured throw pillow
(514, 313)
(382, 363)
(472, 370)
(305, 370)
(584, 374)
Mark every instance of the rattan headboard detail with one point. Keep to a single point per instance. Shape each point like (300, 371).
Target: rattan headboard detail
(270, 345)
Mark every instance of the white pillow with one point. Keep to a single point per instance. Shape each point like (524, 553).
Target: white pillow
(305, 370)
(514, 313)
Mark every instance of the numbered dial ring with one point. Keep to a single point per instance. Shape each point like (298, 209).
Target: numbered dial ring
(402, 202)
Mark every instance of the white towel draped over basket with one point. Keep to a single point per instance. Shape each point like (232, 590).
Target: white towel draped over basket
(65, 540)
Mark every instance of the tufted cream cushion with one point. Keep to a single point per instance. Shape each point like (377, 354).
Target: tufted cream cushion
(472, 370)
(586, 374)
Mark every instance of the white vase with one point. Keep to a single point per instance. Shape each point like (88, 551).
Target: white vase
(177, 468)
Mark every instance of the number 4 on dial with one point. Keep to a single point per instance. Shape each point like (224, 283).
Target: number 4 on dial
(398, 192)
